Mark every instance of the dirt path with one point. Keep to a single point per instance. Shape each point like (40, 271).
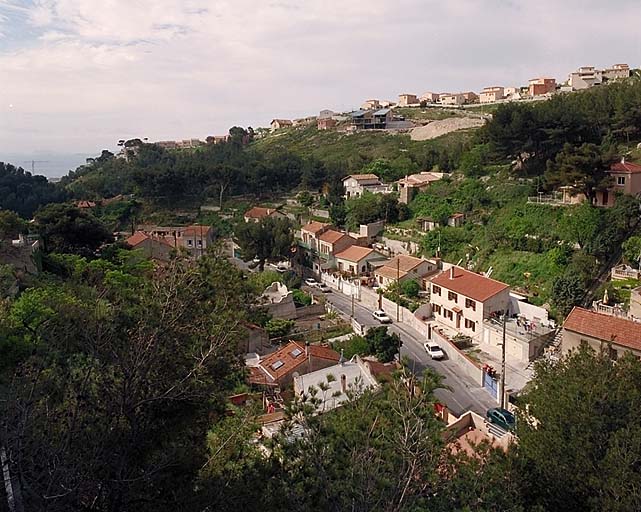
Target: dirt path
(438, 128)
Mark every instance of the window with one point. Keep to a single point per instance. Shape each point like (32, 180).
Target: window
(436, 308)
(620, 180)
(190, 243)
(469, 324)
(452, 296)
(436, 290)
(200, 243)
(613, 354)
(296, 352)
(277, 365)
(469, 303)
(448, 314)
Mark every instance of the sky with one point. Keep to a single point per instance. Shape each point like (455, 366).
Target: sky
(78, 75)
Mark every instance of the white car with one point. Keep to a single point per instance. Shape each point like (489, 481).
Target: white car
(433, 350)
(381, 316)
(311, 282)
(324, 288)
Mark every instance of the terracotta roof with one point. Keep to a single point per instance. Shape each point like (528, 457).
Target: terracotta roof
(314, 227)
(281, 121)
(324, 352)
(331, 236)
(457, 216)
(258, 212)
(389, 272)
(354, 253)
(604, 327)
(197, 230)
(286, 360)
(136, 238)
(626, 167)
(470, 284)
(406, 263)
(362, 177)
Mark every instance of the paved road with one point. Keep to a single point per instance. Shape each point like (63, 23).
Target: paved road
(462, 395)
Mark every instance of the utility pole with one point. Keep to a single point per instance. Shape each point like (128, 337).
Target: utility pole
(398, 290)
(352, 294)
(503, 363)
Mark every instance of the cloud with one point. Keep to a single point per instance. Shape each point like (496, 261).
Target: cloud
(85, 73)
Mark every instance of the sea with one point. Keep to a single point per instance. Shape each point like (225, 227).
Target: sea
(52, 165)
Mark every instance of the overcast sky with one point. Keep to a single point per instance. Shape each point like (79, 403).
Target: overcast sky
(77, 75)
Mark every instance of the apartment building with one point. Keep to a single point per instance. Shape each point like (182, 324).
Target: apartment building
(405, 100)
(540, 86)
(491, 94)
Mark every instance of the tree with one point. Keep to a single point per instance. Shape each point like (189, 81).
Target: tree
(279, 327)
(410, 288)
(10, 225)
(110, 407)
(383, 344)
(581, 224)
(567, 291)
(67, 229)
(632, 249)
(583, 167)
(305, 199)
(579, 442)
(270, 239)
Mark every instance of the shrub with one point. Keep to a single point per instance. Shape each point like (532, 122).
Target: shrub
(279, 327)
(301, 298)
(410, 288)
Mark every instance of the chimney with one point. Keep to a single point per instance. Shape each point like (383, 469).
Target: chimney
(445, 414)
(623, 160)
(342, 359)
(452, 272)
(343, 383)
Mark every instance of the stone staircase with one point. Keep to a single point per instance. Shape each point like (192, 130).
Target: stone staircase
(495, 430)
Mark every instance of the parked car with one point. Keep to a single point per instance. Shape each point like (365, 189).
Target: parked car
(434, 350)
(501, 417)
(311, 282)
(324, 288)
(381, 316)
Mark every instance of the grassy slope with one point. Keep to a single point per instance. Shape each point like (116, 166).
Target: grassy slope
(357, 148)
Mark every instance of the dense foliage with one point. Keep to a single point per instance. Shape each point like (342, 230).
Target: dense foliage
(24, 193)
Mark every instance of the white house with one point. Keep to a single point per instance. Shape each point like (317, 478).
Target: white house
(404, 268)
(340, 381)
(356, 260)
(356, 184)
(463, 300)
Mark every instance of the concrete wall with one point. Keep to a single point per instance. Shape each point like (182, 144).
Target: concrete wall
(635, 304)
(470, 368)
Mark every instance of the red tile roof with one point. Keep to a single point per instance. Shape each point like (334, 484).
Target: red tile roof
(202, 231)
(354, 253)
(625, 167)
(266, 373)
(472, 285)
(258, 212)
(405, 263)
(137, 238)
(331, 236)
(604, 327)
(314, 227)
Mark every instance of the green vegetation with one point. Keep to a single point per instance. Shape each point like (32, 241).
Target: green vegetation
(24, 193)
(279, 327)
(271, 239)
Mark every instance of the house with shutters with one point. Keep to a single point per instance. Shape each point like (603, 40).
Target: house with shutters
(357, 260)
(319, 243)
(462, 300)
